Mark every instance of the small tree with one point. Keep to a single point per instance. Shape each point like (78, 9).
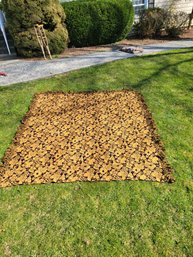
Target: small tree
(190, 19)
(22, 15)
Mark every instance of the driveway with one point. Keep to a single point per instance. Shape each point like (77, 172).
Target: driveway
(20, 70)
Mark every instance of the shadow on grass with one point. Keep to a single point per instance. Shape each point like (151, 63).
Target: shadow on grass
(172, 70)
(90, 76)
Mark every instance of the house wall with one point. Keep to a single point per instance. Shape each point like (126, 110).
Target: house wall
(181, 5)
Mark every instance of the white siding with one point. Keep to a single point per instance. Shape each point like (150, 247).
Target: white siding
(181, 5)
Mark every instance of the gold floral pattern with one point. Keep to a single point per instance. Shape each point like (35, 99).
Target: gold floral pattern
(98, 136)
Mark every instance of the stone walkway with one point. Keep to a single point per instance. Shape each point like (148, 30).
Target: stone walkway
(20, 70)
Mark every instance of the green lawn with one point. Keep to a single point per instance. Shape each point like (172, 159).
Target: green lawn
(115, 218)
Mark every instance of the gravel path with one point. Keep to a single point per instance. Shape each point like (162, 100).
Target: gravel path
(26, 70)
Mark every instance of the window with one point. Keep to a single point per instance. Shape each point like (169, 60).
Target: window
(139, 5)
(151, 4)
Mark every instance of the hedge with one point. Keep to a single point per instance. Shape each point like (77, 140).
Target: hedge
(23, 15)
(92, 22)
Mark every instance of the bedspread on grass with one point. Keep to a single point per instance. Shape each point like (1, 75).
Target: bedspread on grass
(116, 218)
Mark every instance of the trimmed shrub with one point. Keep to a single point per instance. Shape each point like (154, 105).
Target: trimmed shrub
(23, 15)
(98, 22)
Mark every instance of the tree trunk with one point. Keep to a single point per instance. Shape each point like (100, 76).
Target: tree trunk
(190, 19)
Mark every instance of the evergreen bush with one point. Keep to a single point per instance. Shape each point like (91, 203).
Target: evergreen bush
(22, 15)
(94, 22)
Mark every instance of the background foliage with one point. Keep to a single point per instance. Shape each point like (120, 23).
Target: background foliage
(98, 22)
(23, 15)
(153, 21)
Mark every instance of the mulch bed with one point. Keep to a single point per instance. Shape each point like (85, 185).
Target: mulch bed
(98, 136)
